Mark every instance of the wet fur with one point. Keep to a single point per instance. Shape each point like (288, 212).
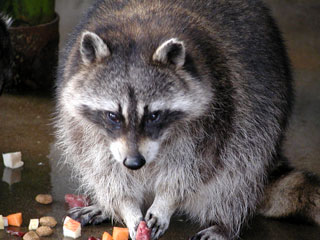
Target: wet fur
(233, 87)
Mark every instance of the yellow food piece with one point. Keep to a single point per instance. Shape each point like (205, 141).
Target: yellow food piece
(15, 219)
(120, 233)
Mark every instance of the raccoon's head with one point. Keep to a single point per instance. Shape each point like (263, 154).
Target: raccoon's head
(137, 101)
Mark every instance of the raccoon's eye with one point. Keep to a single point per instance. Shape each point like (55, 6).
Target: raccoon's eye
(153, 117)
(114, 117)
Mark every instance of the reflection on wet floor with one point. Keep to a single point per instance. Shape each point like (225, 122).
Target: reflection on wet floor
(11, 176)
(25, 126)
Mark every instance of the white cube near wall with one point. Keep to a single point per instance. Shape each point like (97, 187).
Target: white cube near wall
(12, 160)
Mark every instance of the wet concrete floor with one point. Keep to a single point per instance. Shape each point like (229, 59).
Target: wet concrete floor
(25, 126)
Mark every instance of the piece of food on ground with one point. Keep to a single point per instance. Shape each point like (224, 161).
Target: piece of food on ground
(93, 238)
(143, 232)
(76, 200)
(14, 232)
(48, 221)
(44, 198)
(34, 224)
(71, 228)
(15, 219)
(31, 236)
(106, 236)
(12, 160)
(44, 231)
(5, 221)
(1, 223)
(120, 233)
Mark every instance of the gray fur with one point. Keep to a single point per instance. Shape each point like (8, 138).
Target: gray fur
(224, 99)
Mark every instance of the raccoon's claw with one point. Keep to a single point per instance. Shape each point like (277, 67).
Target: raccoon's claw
(98, 219)
(211, 233)
(157, 225)
(87, 215)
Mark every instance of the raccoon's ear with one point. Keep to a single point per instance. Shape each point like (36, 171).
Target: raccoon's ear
(171, 51)
(92, 48)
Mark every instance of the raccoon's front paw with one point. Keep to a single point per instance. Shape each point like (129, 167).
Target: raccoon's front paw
(157, 222)
(211, 233)
(133, 227)
(87, 215)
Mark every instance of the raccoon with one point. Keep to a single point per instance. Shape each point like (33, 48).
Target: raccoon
(5, 52)
(174, 106)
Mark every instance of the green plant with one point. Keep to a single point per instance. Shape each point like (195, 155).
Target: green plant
(28, 12)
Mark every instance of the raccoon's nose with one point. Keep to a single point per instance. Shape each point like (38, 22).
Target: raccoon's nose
(134, 162)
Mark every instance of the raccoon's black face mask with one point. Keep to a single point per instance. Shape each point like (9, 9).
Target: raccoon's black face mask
(133, 136)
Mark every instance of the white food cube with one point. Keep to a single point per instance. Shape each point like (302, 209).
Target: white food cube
(5, 222)
(71, 228)
(1, 223)
(12, 160)
(34, 224)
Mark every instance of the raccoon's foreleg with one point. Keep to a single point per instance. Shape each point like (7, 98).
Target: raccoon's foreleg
(159, 214)
(294, 193)
(131, 214)
(88, 215)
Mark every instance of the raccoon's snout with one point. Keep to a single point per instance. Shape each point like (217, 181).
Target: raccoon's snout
(134, 162)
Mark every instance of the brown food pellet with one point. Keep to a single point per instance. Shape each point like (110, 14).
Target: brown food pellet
(31, 236)
(44, 198)
(44, 231)
(48, 221)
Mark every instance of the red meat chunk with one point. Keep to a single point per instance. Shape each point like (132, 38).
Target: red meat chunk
(143, 232)
(15, 233)
(76, 200)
